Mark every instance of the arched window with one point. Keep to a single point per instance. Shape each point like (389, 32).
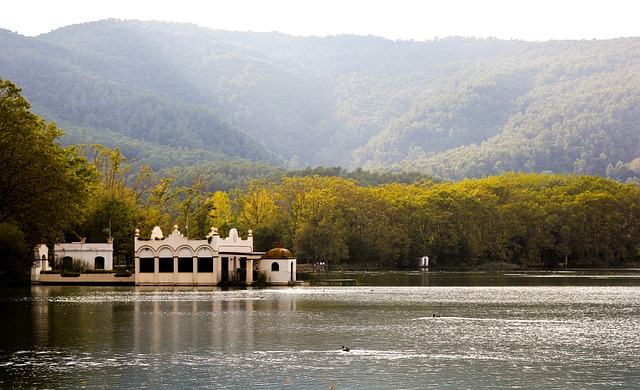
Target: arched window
(275, 266)
(98, 262)
(147, 262)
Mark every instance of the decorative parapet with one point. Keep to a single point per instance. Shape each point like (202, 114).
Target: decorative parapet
(233, 243)
(173, 241)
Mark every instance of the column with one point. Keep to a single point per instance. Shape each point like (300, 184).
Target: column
(175, 269)
(194, 270)
(156, 269)
(136, 265)
(249, 279)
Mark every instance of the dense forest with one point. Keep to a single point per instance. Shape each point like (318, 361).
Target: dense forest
(348, 219)
(173, 95)
(512, 220)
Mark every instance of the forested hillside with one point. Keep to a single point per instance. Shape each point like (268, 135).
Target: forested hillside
(172, 94)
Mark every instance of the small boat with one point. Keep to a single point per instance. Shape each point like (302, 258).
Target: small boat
(345, 349)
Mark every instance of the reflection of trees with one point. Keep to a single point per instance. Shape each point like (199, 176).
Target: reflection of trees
(67, 318)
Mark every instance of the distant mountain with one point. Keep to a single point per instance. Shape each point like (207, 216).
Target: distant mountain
(175, 94)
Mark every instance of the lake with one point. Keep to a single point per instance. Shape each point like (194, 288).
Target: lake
(490, 330)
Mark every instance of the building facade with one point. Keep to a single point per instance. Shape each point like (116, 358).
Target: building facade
(177, 260)
(40, 262)
(97, 256)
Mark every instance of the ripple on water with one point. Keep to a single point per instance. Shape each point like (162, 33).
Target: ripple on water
(275, 338)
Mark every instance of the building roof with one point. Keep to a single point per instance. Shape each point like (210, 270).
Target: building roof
(278, 253)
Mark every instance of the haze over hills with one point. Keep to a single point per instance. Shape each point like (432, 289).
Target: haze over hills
(175, 94)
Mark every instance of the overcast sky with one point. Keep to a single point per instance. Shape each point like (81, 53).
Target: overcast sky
(534, 20)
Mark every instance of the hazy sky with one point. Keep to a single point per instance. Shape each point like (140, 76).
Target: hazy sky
(393, 19)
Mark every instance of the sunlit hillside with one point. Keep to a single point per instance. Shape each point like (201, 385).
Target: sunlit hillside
(174, 94)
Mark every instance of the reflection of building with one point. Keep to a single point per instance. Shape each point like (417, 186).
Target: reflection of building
(176, 260)
(94, 255)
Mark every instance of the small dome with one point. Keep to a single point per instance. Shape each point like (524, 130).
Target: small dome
(278, 253)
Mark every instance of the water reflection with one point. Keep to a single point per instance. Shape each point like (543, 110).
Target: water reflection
(483, 336)
(621, 277)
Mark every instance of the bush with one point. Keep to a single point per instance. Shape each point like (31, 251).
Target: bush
(74, 265)
(123, 273)
(261, 279)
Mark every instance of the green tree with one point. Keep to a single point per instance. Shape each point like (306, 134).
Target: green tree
(44, 188)
(220, 215)
(256, 210)
(322, 234)
(112, 212)
(16, 254)
(194, 209)
(154, 207)
(110, 217)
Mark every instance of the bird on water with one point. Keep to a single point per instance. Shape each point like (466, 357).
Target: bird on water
(345, 349)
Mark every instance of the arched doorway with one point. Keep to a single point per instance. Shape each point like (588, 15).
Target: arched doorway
(67, 263)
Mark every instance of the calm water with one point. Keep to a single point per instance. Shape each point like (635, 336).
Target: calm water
(563, 331)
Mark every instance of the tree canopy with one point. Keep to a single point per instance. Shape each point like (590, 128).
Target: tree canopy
(506, 221)
(44, 187)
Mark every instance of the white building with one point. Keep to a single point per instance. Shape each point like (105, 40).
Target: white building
(40, 262)
(94, 255)
(176, 260)
(279, 266)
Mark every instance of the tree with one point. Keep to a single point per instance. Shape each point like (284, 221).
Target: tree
(257, 211)
(109, 217)
(43, 187)
(220, 215)
(322, 235)
(194, 209)
(154, 209)
(15, 254)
